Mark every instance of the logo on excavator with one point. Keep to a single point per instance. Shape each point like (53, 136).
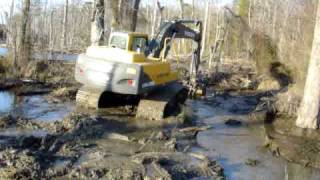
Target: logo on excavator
(189, 34)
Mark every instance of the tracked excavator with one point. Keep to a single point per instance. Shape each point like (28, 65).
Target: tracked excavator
(133, 70)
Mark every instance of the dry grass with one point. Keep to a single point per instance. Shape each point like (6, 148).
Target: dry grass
(5, 66)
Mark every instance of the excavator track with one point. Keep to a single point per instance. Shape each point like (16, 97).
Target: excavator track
(88, 98)
(162, 102)
(155, 106)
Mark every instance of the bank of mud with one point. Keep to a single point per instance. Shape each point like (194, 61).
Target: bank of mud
(278, 110)
(240, 139)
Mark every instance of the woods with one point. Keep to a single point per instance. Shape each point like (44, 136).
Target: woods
(276, 36)
(159, 89)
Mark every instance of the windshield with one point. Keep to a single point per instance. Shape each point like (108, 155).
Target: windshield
(139, 44)
(118, 42)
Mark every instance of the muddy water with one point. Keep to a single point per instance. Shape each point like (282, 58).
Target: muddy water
(50, 56)
(33, 107)
(14, 132)
(234, 145)
(6, 102)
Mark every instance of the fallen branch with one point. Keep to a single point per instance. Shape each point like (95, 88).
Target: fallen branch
(195, 129)
(116, 136)
(198, 156)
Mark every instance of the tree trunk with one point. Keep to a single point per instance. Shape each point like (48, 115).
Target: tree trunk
(308, 116)
(24, 40)
(9, 19)
(114, 5)
(97, 23)
(204, 41)
(135, 15)
(181, 42)
(192, 10)
(65, 23)
(181, 3)
(154, 21)
(51, 31)
(160, 9)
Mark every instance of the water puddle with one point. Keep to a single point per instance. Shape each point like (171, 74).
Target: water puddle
(56, 56)
(33, 107)
(3, 51)
(234, 145)
(16, 132)
(6, 102)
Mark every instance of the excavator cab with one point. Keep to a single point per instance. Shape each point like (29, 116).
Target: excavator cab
(135, 42)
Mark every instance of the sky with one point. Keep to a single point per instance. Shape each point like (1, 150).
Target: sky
(5, 4)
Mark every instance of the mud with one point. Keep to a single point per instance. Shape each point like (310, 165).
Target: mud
(241, 149)
(105, 144)
(293, 143)
(43, 135)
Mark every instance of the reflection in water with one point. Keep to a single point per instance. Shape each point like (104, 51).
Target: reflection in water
(37, 108)
(3, 51)
(33, 107)
(233, 146)
(6, 102)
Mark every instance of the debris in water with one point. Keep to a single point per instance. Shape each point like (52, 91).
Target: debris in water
(252, 162)
(232, 122)
(116, 136)
(195, 129)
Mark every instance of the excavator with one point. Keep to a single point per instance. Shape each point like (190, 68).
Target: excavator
(133, 70)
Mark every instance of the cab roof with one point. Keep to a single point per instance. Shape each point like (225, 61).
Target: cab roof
(128, 34)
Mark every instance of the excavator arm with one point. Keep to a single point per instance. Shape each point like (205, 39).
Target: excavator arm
(178, 29)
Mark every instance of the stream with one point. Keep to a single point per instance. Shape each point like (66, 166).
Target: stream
(33, 107)
(232, 146)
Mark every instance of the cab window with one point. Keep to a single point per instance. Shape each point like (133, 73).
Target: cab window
(139, 44)
(118, 42)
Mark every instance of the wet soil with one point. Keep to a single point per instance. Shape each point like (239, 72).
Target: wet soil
(42, 139)
(43, 135)
(240, 149)
(295, 144)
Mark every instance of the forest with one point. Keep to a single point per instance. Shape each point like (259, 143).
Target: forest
(159, 89)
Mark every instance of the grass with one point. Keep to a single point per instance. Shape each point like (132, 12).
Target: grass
(5, 65)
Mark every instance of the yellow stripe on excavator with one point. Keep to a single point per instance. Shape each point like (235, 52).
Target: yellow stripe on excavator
(159, 72)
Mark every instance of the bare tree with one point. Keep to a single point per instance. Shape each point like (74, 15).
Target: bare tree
(192, 10)
(65, 23)
(24, 39)
(135, 15)
(205, 27)
(309, 115)
(97, 23)
(181, 3)
(51, 30)
(157, 16)
(154, 21)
